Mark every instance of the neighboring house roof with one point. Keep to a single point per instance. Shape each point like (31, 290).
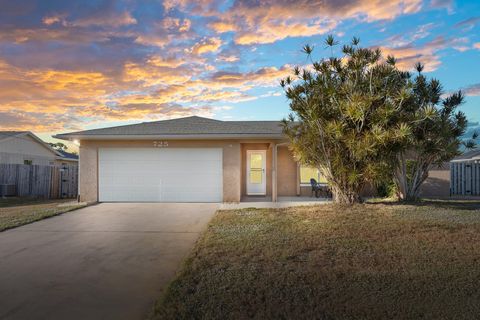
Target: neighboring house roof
(4, 135)
(191, 127)
(11, 134)
(67, 155)
(469, 155)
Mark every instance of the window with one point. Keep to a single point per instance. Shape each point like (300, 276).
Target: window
(307, 173)
(28, 162)
(256, 168)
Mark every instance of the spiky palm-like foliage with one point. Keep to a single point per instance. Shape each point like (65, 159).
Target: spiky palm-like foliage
(436, 127)
(345, 117)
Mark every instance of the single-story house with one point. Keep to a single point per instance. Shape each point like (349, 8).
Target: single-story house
(191, 159)
(24, 147)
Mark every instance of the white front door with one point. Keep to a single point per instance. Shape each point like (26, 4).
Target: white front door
(256, 172)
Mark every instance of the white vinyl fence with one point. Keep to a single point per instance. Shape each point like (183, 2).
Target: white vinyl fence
(465, 178)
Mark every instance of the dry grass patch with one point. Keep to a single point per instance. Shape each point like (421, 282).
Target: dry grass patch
(16, 212)
(365, 262)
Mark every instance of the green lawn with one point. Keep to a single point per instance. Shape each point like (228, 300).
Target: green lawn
(15, 212)
(372, 261)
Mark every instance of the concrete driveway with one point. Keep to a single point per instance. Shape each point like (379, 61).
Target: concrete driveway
(108, 261)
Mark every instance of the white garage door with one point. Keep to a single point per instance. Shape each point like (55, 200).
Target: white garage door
(160, 175)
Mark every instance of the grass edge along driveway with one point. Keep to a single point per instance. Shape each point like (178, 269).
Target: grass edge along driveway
(15, 212)
(367, 261)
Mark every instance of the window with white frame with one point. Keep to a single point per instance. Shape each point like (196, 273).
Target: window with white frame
(307, 173)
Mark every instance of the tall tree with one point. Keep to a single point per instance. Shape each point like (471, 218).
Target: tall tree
(345, 116)
(437, 128)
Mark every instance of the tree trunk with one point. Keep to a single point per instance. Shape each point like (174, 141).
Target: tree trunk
(409, 189)
(420, 174)
(401, 179)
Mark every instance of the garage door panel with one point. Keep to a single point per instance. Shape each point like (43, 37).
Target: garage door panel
(164, 175)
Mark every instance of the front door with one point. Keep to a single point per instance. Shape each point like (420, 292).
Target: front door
(256, 169)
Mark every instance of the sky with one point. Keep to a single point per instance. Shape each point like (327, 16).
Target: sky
(74, 65)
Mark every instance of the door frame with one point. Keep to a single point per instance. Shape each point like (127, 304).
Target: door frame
(264, 176)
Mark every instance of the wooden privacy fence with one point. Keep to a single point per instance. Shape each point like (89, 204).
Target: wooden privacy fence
(50, 182)
(465, 178)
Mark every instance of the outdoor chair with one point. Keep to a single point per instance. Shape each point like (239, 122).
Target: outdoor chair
(318, 188)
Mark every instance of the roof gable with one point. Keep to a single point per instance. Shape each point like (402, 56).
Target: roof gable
(11, 134)
(6, 135)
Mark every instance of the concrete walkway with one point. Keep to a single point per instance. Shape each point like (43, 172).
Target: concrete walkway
(108, 261)
(283, 202)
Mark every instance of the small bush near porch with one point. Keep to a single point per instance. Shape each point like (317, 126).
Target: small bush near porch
(361, 262)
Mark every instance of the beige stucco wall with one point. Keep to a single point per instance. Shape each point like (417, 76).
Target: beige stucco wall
(89, 164)
(88, 171)
(287, 178)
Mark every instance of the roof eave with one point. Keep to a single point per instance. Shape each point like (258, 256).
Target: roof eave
(170, 137)
(475, 158)
(66, 159)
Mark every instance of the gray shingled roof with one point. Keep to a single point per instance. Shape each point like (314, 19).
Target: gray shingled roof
(469, 155)
(8, 134)
(186, 126)
(67, 155)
